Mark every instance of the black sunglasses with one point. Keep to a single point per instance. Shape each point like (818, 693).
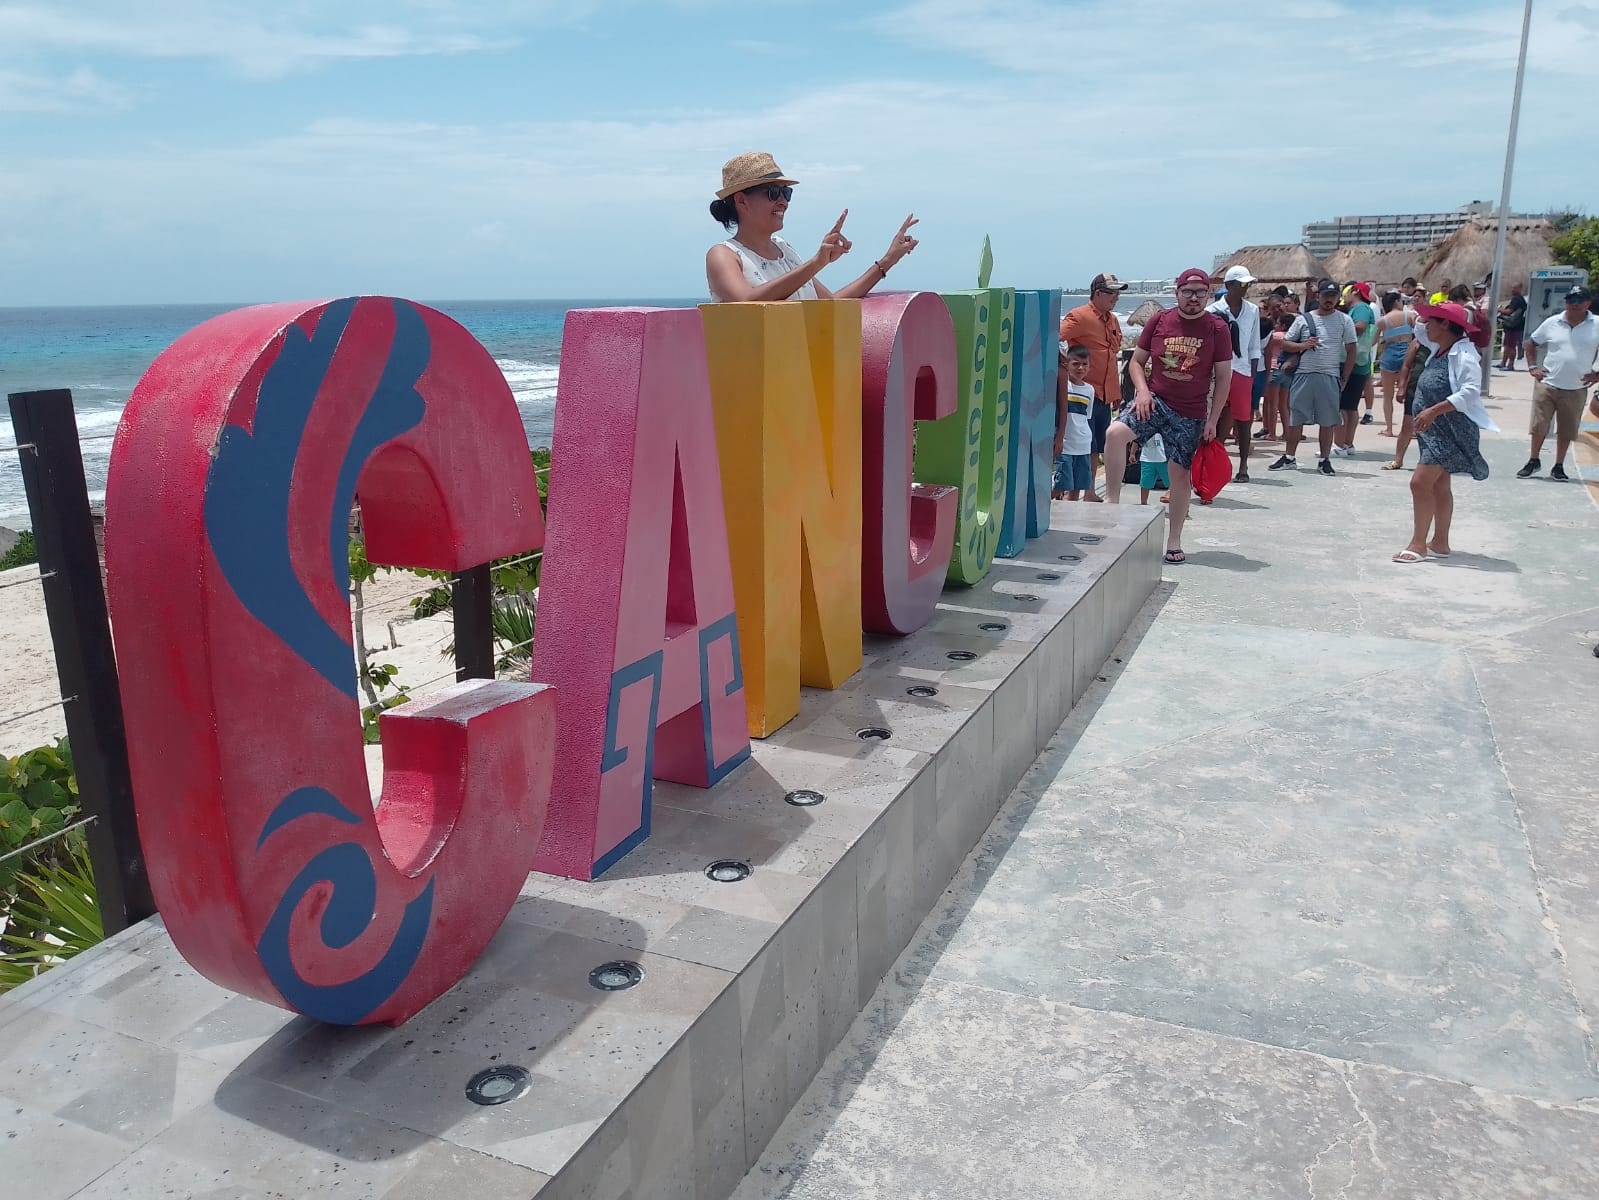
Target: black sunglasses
(774, 193)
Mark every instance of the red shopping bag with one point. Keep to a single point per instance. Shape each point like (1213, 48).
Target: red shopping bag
(1211, 470)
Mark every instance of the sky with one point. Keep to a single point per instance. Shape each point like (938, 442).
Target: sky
(169, 151)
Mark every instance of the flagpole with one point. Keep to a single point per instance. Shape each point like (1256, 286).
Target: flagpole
(1504, 202)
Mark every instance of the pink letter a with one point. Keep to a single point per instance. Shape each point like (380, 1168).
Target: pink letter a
(635, 613)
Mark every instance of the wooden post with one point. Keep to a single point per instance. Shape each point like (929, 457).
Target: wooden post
(69, 562)
(472, 605)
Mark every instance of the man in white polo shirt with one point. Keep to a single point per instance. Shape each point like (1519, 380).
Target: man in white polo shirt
(1563, 356)
(1243, 319)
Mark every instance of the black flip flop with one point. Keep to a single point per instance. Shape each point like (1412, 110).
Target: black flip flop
(1177, 557)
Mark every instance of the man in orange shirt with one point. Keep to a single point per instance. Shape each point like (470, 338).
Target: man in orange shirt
(1095, 325)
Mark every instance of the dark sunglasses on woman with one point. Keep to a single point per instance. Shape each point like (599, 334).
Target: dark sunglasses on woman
(772, 192)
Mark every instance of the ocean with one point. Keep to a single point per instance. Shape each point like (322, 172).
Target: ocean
(100, 353)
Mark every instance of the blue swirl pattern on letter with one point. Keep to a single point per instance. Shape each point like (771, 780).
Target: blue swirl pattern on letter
(348, 867)
(247, 489)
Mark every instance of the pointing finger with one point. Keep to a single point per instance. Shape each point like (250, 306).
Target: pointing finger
(839, 224)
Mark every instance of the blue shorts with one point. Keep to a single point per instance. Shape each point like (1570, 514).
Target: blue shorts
(1152, 477)
(1259, 393)
(1074, 473)
(1179, 434)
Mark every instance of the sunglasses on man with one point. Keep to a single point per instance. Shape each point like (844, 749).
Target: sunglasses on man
(772, 192)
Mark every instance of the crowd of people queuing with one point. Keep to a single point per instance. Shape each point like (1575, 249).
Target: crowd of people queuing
(1214, 364)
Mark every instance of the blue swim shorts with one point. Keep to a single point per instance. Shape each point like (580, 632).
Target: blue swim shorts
(1152, 477)
(1074, 473)
(1179, 434)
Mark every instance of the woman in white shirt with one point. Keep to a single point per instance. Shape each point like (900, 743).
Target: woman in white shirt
(756, 264)
(1449, 416)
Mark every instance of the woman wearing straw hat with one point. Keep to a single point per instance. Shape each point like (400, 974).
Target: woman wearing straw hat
(756, 264)
(1449, 415)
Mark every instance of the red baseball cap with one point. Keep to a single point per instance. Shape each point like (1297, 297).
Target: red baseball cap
(1451, 311)
(1194, 275)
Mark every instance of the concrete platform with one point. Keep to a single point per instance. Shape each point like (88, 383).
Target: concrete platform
(1301, 901)
(124, 1073)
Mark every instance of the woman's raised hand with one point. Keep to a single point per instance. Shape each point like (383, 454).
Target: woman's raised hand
(902, 244)
(835, 245)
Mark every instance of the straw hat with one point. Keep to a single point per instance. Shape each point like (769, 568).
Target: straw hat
(750, 170)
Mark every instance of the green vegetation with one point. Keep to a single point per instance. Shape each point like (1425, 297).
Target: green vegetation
(1578, 246)
(47, 897)
(23, 554)
(54, 916)
(38, 797)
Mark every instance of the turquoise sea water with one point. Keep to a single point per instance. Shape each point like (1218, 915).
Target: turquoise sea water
(100, 353)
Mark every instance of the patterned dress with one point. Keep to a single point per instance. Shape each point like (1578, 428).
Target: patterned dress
(1452, 441)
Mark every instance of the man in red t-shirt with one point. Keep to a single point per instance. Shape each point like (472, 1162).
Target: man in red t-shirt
(1180, 372)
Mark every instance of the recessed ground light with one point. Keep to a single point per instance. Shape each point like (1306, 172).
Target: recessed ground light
(1070, 557)
(616, 976)
(728, 870)
(1025, 598)
(960, 656)
(498, 1085)
(874, 733)
(993, 627)
(921, 691)
(1089, 539)
(804, 798)
(1047, 577)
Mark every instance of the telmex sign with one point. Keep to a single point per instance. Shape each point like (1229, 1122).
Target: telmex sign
(708, 551)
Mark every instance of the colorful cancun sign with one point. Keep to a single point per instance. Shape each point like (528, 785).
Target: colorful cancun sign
(733, 502)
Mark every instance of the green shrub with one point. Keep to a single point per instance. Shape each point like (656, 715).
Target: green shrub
(1578, 246)
(47, 896)
(38, 797)
(23, 554)
(54, 916)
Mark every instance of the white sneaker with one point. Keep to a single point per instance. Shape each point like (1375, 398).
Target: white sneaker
(1343, 451)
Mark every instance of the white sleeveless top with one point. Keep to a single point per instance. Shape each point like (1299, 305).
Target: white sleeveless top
(758, 270)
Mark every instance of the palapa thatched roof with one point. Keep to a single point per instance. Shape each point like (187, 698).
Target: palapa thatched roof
(1277, 264)
(1385, 266)
(1467, 254)
(1145, 313)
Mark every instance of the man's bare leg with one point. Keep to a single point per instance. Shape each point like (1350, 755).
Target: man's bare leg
(1182, 487)
(1116, 442)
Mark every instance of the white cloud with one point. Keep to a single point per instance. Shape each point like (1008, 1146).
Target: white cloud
(257, 40)
(1197, 52)
(79, 89)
